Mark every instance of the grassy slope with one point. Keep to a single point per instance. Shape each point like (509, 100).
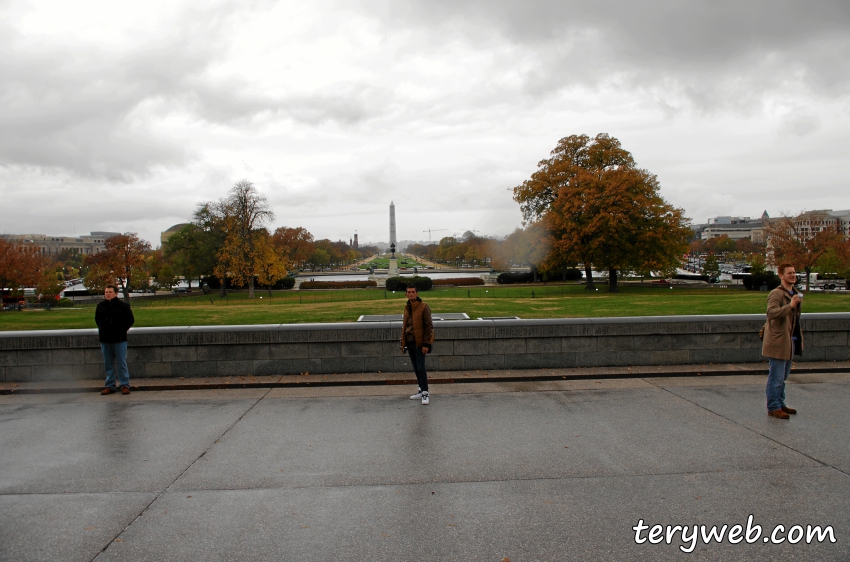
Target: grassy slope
(346, 306)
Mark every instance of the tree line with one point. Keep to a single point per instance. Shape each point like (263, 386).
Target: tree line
(228, 243)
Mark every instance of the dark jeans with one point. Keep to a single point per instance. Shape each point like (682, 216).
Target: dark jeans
(417, 358)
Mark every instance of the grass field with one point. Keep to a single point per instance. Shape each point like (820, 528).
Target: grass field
(551, 301)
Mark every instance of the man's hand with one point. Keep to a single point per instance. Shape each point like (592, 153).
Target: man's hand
(424, 350)
(795, 301)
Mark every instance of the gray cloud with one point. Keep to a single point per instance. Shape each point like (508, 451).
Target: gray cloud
(715, 54)
(95, 113)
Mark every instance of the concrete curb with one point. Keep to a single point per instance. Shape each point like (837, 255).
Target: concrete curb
(380, 379)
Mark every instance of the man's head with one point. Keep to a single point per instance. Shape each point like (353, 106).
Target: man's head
(411, 293)
(787, 273)
(110, 292)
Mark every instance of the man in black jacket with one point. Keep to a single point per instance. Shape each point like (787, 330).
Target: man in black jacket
(113, 318)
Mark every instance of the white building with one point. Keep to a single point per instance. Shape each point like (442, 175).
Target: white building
(736, 228)
(86, 245)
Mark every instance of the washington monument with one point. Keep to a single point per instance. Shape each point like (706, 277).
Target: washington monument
(392, 223)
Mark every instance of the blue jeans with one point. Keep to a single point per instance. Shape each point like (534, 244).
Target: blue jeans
(418, 360)
(776, 376)
(115, 359)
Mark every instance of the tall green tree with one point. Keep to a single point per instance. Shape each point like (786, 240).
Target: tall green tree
(192, 251)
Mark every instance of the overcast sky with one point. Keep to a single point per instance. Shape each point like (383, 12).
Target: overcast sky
(122, 116)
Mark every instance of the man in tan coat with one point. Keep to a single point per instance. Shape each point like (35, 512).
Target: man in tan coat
(783, 338)
(417, 335)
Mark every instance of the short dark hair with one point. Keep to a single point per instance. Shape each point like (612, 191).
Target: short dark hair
(783, 266)
(412, 286)
(113, 287)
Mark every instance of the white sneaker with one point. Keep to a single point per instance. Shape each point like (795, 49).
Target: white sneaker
(418, 394)
(425, 398)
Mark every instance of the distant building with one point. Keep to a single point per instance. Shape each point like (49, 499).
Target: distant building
(810, 223)
(736, 228)
(87, 245)
(164, 236)
(356, 244)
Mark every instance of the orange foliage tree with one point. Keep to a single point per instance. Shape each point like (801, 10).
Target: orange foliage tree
(122, 262)
(296, 243)
(241, 215)
(20, 266)
(601, 210)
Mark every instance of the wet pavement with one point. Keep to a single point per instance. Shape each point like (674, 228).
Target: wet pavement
(511, 469)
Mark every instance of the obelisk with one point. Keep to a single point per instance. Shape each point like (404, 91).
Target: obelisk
(393, 265)
(392, 224)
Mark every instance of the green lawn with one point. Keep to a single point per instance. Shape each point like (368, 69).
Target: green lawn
(551, 301)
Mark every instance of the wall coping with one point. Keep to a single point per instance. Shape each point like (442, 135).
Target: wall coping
(706, 320)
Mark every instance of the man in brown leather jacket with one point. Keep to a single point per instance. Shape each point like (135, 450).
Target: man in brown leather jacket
(417, 335)
(783, 338)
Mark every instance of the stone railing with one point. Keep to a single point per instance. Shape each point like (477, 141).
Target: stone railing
(370, 347)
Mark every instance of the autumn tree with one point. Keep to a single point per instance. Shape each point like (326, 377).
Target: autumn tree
(720, 244)
(296, 243)
(20, 266)
(50, 285)
(240, 215)
(600, 209)
(747, 246)
(162, 269)
(796, 240)
(122, 262)
(270, 263)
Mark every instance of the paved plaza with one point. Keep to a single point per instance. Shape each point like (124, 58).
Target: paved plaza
(488, 471)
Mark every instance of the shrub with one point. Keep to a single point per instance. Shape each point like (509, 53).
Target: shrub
(569, 274)
(400, 283)
(337, 284)
(515, 277)
(756, 280)
(64, 302)
(285, 283)
(460, 281)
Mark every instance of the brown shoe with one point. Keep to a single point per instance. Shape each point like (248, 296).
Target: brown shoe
(125, 390)
(778, 414)
(107, 390)
(788, 410)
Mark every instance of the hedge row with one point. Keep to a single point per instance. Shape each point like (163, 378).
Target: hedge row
(337, 284)
(514, 277)
(400, 283)
(460, 281)
(569, 274)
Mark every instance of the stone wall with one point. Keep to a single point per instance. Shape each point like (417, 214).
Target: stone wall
(370, 347)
